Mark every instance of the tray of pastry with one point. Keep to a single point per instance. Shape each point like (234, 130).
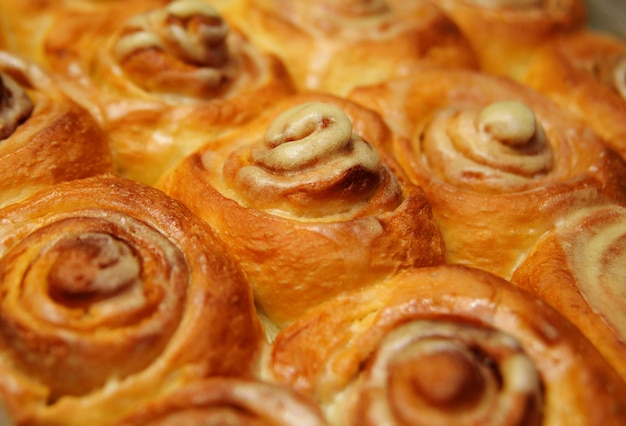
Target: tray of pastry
(326, 212)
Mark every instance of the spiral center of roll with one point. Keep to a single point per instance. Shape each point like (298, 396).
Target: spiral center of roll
(15, 106)
(445, 377)
(448, 380)
(304, 134)
(91, 265)
(189, 30)
(311, 164)
(510, 122)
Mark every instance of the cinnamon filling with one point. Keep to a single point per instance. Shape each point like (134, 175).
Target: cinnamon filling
(15, 106)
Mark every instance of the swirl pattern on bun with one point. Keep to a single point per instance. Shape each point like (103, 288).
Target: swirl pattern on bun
(112, 292)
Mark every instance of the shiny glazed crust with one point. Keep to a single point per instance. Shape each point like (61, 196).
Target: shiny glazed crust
(335, 45)
(223, 400)
(112, 293)
(45, 137)
(316, 227)
(178, 67)
(499, 162)
(586, 73)
(506, 33)
(427, 345)
(577, 268)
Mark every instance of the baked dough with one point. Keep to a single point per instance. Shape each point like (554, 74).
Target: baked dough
(506, 34)
(112, 293)
(45, 137)
(307, 205)
(585, 73)
(447, 345)
(499, 162)
(577, 268)
(225, 400)
(335, 45)
(160, 77)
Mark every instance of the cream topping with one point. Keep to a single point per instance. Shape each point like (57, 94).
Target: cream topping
(499, 146)
(312, 132)
(311, 163)
(190, 30)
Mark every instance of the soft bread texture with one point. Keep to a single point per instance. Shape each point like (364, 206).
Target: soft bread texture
(499, 162)
(333, 45)
(585, 73)
(223, 400)
(310, 212)
(307, 205)
(45, 137)
(447, 345)
(160, 77)
(112, 293)
(505, 34)
(577, 268)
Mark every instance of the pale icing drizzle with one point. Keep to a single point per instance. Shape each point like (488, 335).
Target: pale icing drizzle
(190, 30)
(310, 163)
(482, 148)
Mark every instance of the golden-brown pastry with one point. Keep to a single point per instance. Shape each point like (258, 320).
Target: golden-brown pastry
(229, 401)
(499, 162)
(506, 33)
(161, 77)
(45, 137)
(308, 205)
(112, 293)
(586, 73)
(447, 345)
(578, 268)
(23, 23)
(335, 45)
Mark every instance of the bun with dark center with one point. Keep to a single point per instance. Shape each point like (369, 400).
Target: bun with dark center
(446, 345)
(178, 67)
(309, 206)
(112, 293)
(499, 162)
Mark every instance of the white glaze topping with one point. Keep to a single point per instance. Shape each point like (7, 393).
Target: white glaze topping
(489, 149)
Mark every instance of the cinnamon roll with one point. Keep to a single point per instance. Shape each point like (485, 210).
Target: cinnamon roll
(112, 293)
(577, 268)
(309, 206)
(161, 77)
(447, 345)
(45, 137)
(506, 33)
(586, 73)
(333, 45)
(499, 162)
(222, 401)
